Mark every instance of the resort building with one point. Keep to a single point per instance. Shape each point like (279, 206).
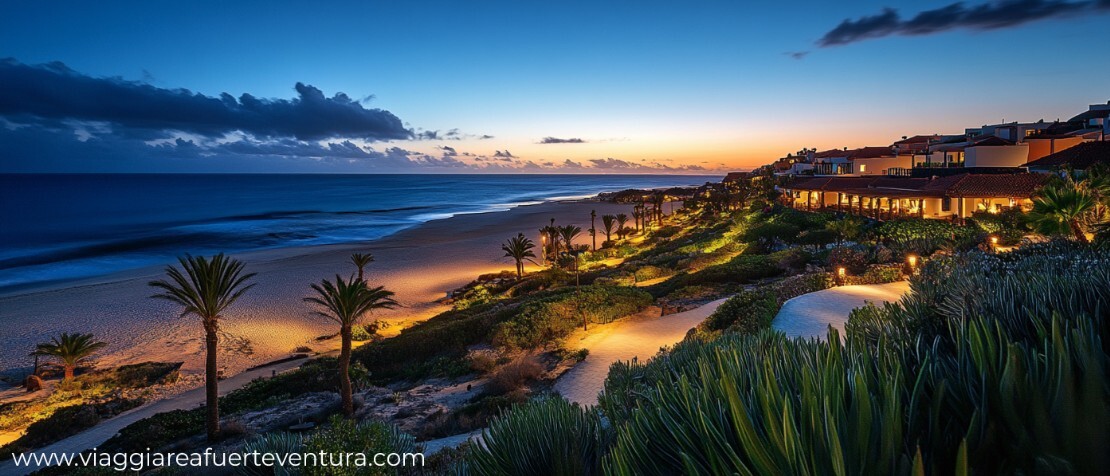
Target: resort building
(1080, 157)
(882, 198)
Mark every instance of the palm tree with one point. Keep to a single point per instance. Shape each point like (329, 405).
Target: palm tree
(568, 233)
(71, 349)
(519, 248)
(593, 228)
(361, 261)
(637, 214)
(1061, 209)
(622, 219)
(346, 302)
(552, 234)
(657, 201)
(608, 222)
(206, 288)
(847, 228)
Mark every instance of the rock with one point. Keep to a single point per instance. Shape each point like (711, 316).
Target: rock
(33, 383)
(302, 427)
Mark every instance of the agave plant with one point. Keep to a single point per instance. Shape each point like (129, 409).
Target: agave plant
(279, 443)
(548, 436)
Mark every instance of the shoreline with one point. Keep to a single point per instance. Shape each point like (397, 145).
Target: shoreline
(422, 264)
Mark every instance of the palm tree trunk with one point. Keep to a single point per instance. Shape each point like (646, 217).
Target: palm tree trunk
(69, 373)
(211, 382)
(1078, 231)
(344, 372)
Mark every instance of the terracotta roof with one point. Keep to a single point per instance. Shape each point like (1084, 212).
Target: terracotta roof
(830, 153)
(916, 140)
(988, 185)
(962, 185)
(734, 176)
(1080, 156)
(870, 152)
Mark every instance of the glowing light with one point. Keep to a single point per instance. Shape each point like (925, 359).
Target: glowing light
(912, 260)
(994, 240)
(841, 272)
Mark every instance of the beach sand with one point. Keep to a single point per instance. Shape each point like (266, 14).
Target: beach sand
(421, 264)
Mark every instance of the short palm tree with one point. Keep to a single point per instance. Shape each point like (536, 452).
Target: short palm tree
(206, 288)
(567, 234)
(519, 248)
(361, 261)
(608, 222)
(622, 220)
(346, 303)
(1061, 209)
(71, 349)
(552, 234)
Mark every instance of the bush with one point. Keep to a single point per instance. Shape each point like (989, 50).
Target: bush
(548, 436)
(746, 313)
(548, 320)
(647, 273)
(854, 261)
(514, 375)
(924, 237)
(343, 436)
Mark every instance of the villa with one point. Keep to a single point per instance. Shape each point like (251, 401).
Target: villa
(951, 197)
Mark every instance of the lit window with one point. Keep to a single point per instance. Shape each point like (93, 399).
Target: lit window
(862, 167)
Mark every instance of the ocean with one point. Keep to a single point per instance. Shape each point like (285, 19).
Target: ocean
(61, 227)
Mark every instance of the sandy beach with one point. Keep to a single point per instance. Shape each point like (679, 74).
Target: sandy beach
(420, 264)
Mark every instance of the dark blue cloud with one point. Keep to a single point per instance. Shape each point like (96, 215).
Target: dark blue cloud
(983, 16)
(54, 92)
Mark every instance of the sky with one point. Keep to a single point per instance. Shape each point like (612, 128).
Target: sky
(599, 87)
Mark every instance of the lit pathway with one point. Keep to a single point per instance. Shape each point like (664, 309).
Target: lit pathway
(639, 337)
(106, 429)
(810, 315)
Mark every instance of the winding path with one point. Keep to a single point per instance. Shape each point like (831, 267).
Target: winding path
(810, 315)
(634, 337)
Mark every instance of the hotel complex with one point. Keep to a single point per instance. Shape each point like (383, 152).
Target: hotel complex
(985, 169)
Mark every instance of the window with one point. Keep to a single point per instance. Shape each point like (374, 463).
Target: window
(862, 168)
(946, 204)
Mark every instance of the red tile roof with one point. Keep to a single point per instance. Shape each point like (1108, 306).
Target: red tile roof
(870, 152)
(830, 153)
(962, 185)
(1080, 156)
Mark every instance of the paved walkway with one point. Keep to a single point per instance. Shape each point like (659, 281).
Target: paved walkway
(624, 340)
(810, 315)
(105, 430)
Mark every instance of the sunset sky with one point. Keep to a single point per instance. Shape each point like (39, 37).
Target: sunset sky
(628, 86)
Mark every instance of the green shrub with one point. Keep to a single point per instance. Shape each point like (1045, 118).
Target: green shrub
(923, 237)
(852, 260)
(543, 437)
(548, 320)
(746, 313)
(369, 438)
(647, 273)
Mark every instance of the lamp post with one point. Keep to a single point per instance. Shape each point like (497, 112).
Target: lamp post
(911, 260)
(841, 273)
(543, 249)
(994, 242)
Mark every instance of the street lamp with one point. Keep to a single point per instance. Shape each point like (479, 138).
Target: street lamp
(841, 273)
(912, 260)
(543, 249)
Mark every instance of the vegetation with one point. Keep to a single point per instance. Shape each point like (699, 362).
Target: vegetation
(205, 288)
(71, 349)
(346, 303)
(81, 403)
(519, 248)
(549, 320)
(996, 364)
(571, 441)
(361, 261)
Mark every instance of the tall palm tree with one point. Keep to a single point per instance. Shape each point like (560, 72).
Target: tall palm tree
(637, 215)
(71, 349)
(608, 222)
(593, 228)
(657, 201)
(206, 288)
(361, 261)
(346, 303)
(622, 220)
(519, 248)
(1061, 209)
